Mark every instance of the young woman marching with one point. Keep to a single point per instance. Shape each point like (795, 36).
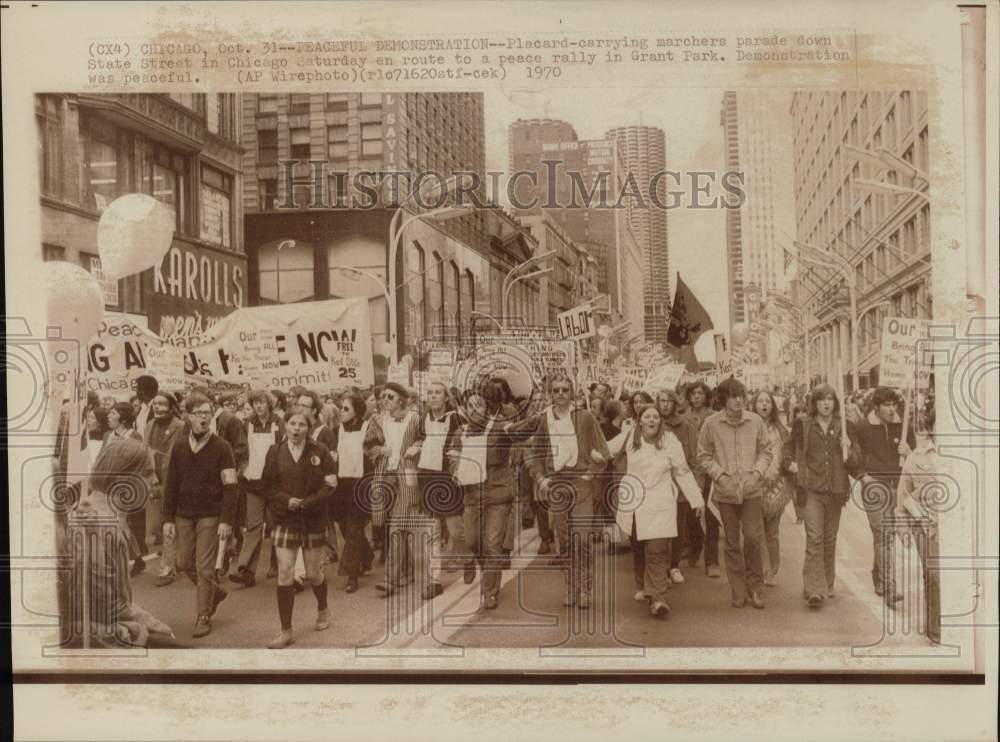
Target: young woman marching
(777, 489)
(442, 497)
(818, 461)
(648, 501)
(355, 436)
(299, 475)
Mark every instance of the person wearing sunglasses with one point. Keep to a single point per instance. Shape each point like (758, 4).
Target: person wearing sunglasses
(398, 502)
(570, 453)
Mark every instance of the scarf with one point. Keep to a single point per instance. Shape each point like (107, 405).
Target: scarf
(562, 438)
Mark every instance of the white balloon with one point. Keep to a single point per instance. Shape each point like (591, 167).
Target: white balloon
(134, 234)
(73, 301)
(741, 333)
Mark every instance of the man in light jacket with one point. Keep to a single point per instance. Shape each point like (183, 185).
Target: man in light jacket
(734, 449)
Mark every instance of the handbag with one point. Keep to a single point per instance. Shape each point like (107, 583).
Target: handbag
(776, 497)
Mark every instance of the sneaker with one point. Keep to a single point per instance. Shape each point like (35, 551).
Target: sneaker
(282, 640)
(815, 601)
(219, 596)
(166, 579)
(490, 603)
(660, 609)
(770, 580)
(138, 567)
(202, 627)
(322, 620)
(714, 572)
(757, 600)
(642, 595)
(676, 577)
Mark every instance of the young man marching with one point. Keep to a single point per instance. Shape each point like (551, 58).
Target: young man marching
(199, 505)
(734, 449)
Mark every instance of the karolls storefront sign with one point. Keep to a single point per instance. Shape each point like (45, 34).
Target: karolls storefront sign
(192, 289)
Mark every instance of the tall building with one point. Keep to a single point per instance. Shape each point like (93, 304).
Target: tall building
(180, 149)
(305, 240)
(882, 232)
(729, 119)
(644, 154)
(564, 166)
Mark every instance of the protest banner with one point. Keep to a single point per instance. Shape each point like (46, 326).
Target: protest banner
(592, 373)
(116, 355)
(166, 363)
(633, 379)
(898, 360)
(665, 376)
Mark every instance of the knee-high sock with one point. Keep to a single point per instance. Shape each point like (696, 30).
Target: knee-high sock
(286, 602)
(320, 592)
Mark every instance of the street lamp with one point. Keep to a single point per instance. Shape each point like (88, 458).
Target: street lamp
(517, 269)
(846, 270)
(396, 230)
(884, 159)
(510, 285)
(878, 186)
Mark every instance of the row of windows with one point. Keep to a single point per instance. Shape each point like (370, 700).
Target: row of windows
(113, 162)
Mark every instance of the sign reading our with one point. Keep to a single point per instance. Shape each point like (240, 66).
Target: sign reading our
(898, 359)
(577, 323)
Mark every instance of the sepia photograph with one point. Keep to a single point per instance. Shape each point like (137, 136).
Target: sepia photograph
(651, 353)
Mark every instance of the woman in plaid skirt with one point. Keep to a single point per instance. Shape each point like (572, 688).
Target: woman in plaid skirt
(299, 476)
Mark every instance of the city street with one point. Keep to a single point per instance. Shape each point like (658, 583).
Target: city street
(531, 613)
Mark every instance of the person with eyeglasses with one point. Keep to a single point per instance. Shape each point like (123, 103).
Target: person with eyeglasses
(355, 437)
(570, 451)
(398, 502)
(199, 506)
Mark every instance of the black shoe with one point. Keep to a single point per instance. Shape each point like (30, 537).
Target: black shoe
(138, 567)
(469, 575)
(544, 548)
(490, 603)
(219, 596)
(757, 600)
(352, 585)
(432, 591)
(243, 577)
(815, 601)
(299, 587)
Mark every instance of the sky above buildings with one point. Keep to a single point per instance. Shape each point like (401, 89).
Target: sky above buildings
(694, 141)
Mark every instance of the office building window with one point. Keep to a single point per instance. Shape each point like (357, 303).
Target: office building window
(300, 144)
(102, 169)
(53, 252)
(286, 274)
(161, 175)
(298, 103)
(371, 140)
(416, 306)
(267, 147)
(910, 237)
(268, 193)
(216, 206)
(435, 299)
(371, 99)
(48, 116)
(225, 116)
(452, 300)
(468, 298)
(267, 104)
(337, 142)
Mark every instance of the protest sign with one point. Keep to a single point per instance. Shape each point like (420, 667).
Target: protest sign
(398, 373)
(633, 379)
(665, 377)
(166, 363)
(898, 360)
(577, 323)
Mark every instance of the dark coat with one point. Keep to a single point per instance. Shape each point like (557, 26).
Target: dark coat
(311, 478)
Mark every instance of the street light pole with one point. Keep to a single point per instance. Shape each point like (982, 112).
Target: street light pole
(517, 269)
(509, 286)
(844, 268)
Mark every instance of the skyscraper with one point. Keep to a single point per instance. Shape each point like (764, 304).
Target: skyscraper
(643, 150)
(729, 119)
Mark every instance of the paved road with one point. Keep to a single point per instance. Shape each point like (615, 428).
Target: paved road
(531, 612)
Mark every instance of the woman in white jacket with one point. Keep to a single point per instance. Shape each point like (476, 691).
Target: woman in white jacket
(647, 499)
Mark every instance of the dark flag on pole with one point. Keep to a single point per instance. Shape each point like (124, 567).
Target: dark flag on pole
(688, 318)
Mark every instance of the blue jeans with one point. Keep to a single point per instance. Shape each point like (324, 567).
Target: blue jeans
(822, 515)
(487, 507)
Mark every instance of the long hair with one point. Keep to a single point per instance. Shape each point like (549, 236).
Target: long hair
(360, 407)
(772, 418)
(121, 462)
(645, 400)
(126, 415)
(823, 391)
(101, 415)
(637, 430)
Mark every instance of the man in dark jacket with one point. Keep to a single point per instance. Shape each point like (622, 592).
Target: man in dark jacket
(880, 446)
(200, 498)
